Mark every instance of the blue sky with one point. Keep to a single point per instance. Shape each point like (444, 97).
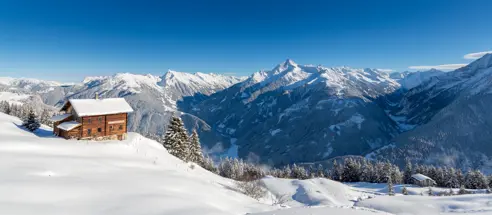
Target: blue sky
(67, 40)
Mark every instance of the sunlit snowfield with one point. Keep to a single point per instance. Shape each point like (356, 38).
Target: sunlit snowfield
(41, 174)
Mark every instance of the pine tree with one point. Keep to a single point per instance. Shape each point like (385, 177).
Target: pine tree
(320, 171)
(407, 176)
(462, 190)
(404, 191)
(299, 172)
(334, 174)
(31, 122)
(45, 118)
(5, 107)
(209, 165)
(351, 171)
(176, 140)
(391, 189)
(195, 149)
(287, 172)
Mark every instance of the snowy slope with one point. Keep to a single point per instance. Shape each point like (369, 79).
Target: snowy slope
(409, 80)
(41, 174)
(15, 98)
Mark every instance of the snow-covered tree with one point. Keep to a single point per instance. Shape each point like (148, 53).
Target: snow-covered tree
(474, 179)
(209, 165)
(391, 189)
(31, 122)
(351, 171)
(45, 117)
(462, 190)
(407, 176)
(299, 172)
(336, 171)
(176, 140)
(287, 172)
(195, 150)
(5, 107)
(320, 171)
(404, 190)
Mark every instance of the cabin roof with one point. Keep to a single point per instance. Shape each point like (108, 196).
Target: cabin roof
(67, 126)
(420, 177)
(60, 117)
(94, 107)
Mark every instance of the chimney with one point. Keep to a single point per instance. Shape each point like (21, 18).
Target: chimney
(97, 95)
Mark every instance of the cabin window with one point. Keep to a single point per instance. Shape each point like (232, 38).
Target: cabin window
(100, 119)
(99, 129)
(121, 127)
(89, 121)
(89, 131)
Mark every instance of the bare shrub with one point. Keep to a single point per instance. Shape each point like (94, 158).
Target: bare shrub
(253, 189)
(280, 199)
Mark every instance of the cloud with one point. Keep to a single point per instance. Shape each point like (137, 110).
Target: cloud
(439, 67)
(476, 55)
(386, 70)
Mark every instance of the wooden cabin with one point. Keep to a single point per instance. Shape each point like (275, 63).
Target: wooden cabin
(422, 180)
(95, 119)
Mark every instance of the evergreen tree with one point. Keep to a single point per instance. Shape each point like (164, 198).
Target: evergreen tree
(462, 190)
(287, 172)
(209, 165)
(474, 179)
(460, 178)
(45, 118)
(31, 122)
(351, 171)
(298, 172)
(5, 107)
(407, 176)
(176, 140)
(404, 191)
(195, 150)
(391, 189)
(320, 171)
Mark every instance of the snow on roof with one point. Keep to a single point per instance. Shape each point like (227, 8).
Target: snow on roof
(92, 107)
(60, 117)
(67, 126)
(421, 177)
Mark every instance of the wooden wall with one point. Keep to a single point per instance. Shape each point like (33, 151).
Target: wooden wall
(108, 125)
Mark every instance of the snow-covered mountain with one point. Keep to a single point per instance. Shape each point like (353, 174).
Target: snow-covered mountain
(306, 113)
(451, 115)
(296, 113)
(409, 80)
(152, 97)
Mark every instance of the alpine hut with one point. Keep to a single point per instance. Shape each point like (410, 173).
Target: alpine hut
(97, 119)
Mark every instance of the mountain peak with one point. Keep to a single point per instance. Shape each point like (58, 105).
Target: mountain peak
(290, 62)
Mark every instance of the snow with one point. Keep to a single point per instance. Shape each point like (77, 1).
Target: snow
(13, 98)
(67, 126)
(173, 78)
(92, 107)
(26, 83)
(60, 117)
(477, 204)
(420, 177)
(42, 175)
(323, 211)
(46, 175)
(276, 131)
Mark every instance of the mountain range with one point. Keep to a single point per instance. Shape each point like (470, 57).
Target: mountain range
(307, 113)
